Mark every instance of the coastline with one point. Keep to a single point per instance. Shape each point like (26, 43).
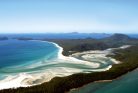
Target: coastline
(84, 87)
(73, 58)
(71, 81)
(16, 83)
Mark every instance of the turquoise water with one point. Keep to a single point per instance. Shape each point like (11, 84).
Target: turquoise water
(15, 54)
(125, 84)
(38, 57)
(24, 63)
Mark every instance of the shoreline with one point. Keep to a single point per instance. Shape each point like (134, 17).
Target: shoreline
(61, 56)
(86, 78)
(23, 76)
(101, 81)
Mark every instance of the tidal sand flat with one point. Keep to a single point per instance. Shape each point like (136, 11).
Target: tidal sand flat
(28, 63)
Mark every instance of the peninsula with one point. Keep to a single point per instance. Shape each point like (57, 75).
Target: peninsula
(127, 56)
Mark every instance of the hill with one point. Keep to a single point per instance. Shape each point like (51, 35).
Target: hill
(78, 45)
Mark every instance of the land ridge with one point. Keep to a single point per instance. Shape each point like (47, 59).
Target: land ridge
(128, 58)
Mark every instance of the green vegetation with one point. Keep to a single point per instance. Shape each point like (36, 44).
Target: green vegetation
(128, 57)
(79, 45)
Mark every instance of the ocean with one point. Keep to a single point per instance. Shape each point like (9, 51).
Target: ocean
(127, 83)
(15, 52)
(63, 35)
(27, 63)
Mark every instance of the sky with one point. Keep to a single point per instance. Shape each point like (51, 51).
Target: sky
(55, 16)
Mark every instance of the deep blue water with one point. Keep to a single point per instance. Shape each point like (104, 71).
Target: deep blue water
(14, 52)
(58, 35)
(64, 35)
(26, 53)
(22, 59)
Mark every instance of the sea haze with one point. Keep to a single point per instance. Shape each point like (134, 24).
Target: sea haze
(73, 35)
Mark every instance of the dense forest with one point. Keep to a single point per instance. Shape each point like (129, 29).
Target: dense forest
(128, 58)
(79, 45)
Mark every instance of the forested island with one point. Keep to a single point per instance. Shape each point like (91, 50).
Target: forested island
(128, 58)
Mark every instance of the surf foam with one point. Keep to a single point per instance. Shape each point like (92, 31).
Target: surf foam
(25, 80)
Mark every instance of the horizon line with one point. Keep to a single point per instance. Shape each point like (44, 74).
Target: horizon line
(70, 33)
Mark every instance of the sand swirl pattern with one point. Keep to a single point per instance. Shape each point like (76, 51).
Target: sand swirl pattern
(44, 69)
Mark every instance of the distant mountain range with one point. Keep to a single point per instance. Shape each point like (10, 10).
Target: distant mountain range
(118, 38)
(73, 35)
(128, 58)
(79, 45)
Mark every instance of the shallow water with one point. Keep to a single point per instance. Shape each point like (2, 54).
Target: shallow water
(125, 84)
(14, 52)
(26, 63)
